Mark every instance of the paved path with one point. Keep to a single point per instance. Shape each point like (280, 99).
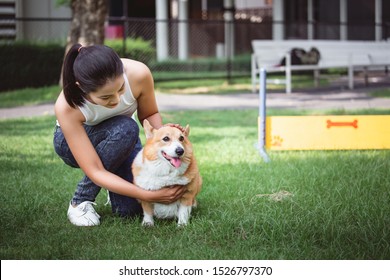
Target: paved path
(348, 100)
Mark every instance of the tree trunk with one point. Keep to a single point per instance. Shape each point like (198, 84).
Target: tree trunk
(87, 26)
(88, 17)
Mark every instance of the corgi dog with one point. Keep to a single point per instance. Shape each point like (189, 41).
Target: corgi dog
(167, 159)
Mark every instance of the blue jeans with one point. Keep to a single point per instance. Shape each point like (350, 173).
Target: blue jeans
(117, 142)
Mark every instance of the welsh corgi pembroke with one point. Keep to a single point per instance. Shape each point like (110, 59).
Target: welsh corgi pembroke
(167, 159)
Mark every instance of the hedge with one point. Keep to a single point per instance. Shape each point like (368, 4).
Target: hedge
(29, 65)
(239, 63)
(137, 49)
(25, 64)
(35, 65)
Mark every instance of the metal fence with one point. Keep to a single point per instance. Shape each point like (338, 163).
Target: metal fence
(208, 54)
(207, 51)
(206, 48)
(205, 37)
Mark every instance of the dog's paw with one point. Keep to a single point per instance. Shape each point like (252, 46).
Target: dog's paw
(147, 224)
(182, 225)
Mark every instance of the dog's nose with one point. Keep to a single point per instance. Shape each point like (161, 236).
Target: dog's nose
(179, 151)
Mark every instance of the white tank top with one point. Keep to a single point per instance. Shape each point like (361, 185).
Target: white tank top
(95, 114)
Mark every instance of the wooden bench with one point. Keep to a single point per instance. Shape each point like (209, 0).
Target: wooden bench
(351, 55)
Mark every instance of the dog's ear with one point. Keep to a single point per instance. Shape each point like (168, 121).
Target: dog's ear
(148, 129)
(187, 130)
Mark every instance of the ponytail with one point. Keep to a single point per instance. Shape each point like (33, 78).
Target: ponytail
(86, 69)
(73, 93)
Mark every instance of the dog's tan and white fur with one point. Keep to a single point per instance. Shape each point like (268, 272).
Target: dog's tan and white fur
(167, 159)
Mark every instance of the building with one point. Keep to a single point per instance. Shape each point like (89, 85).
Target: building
(34, 20)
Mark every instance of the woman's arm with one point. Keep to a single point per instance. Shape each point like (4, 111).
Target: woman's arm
(142, 86)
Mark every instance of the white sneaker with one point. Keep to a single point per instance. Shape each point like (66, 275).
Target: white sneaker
(83, 214)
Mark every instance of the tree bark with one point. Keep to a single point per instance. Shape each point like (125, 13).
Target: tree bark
(87, 26)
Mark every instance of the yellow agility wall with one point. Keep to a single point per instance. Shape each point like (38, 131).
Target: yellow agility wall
(327, 132)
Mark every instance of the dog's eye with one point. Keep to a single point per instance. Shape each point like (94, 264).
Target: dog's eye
(166, 139)
(181, 138)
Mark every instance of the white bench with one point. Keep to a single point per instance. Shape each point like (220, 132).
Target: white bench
(352, 55)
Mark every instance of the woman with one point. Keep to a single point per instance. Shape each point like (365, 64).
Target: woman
(95, 130)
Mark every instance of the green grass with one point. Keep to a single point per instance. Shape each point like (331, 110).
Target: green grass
(381, 93)
(338, 208)
(29, 96)
(237, 84)
(34, 96)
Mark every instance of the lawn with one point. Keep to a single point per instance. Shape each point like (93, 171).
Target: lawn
(33, 96)
(301, 205)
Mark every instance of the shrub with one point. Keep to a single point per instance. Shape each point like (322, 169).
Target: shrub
(30, 64)
(27, 64)
(133, 48)
(239, 63)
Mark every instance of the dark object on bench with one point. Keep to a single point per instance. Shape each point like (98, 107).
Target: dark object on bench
(301, 57)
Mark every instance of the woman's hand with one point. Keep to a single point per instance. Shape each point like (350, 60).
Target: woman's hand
(178, 126)
(166, 195)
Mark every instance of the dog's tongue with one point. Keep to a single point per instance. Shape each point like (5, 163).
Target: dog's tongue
(176, 162)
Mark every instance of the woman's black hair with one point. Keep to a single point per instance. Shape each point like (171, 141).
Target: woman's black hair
(86, 69)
